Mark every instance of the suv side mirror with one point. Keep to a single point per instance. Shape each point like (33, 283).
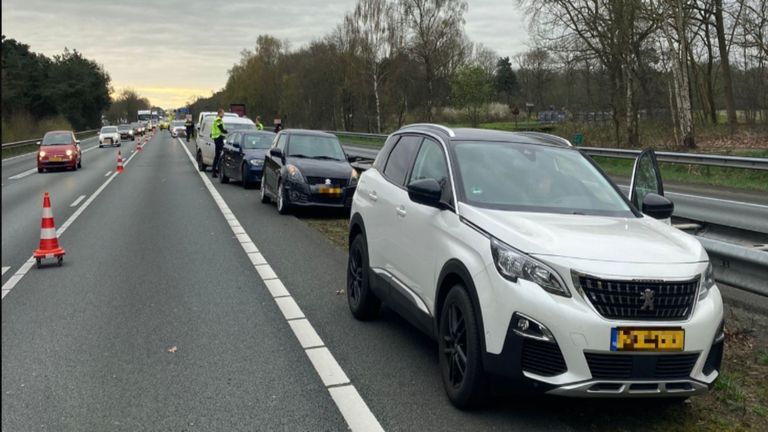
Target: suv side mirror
(425, 191)
(38, 143)
(657, 206)
(276, 152)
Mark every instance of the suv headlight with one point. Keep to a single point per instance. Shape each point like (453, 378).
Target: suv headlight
(353, 178)
(294, 174)
(707, 282)
(513, 264)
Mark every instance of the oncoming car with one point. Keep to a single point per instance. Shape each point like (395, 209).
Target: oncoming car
(178, 128)
(126, 131)
(109, 136)
(524, 260)
(59, 149)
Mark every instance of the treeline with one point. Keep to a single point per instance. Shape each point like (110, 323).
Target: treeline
(65, 90)
(125, 107)
(391, 62)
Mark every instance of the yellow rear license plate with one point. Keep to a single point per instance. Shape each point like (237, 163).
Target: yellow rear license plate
(330, 191)
(647, 339)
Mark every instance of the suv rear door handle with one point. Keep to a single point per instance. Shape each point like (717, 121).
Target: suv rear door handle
(373, 196)
(401, 211)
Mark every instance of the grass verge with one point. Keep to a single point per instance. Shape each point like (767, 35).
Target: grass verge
(738, 402)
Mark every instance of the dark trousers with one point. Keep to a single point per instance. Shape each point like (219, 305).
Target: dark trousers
(219, 145)
(189, 133)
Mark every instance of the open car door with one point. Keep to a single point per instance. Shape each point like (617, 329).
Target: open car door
(646, 190)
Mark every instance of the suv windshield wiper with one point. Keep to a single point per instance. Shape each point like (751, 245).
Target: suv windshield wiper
(298, 155)
(325, 157)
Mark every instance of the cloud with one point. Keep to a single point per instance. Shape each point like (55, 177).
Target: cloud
(188, 45)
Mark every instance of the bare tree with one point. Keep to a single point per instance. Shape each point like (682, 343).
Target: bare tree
(375, 26)
(436, 39)
(730, 104)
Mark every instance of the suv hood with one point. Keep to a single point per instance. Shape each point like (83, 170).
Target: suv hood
(597, 238)
(322, 167)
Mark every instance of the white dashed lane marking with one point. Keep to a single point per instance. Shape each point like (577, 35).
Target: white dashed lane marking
(77, 201)
(5, 269)
(353, 408)
(23, 174)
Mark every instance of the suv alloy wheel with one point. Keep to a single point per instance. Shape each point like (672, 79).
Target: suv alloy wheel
(363, 303)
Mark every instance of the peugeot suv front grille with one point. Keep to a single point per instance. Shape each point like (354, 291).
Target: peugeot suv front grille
(640, 300)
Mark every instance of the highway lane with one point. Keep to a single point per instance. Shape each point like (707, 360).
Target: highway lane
(157, 321)
(720, 206)
(392, 364)
(22, 197)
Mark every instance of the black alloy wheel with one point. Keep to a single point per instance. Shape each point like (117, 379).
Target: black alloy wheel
(264, 196)
(200, 164)
(244, 177)
(363, 303)
(459, 345)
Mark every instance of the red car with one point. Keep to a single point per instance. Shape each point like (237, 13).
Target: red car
(59, 149)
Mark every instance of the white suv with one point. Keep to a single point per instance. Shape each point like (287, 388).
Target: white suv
(525, 261)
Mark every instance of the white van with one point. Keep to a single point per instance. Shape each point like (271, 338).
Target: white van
(205, 149)
(203, 115)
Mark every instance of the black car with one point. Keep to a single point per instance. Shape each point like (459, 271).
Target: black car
(307, 168)
(126, 132)
(242, 157)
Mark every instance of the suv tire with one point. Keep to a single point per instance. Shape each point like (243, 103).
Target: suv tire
(459, 347)
(363, 303)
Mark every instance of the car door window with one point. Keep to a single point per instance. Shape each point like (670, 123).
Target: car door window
(281, 142)
(646, 178)
(400, 159)
(430, 163)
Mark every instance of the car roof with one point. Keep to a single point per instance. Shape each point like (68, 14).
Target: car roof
(475, 134)
(58, 131)
(308, 132)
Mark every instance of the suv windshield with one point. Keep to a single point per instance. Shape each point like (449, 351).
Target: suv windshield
(316, 147)
(524, 177)
(57, 138)
(258, 141)
(231, 127)
(124, 127)
(177, 123)
(110, 129)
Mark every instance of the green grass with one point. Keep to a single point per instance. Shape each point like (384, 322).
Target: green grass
(693, 174)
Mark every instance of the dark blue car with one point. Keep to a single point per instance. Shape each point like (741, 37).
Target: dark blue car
(242, 158)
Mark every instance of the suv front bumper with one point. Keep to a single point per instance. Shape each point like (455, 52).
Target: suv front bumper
(578, 361)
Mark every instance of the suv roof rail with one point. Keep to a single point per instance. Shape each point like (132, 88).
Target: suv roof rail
(442, 128)
(548, 138)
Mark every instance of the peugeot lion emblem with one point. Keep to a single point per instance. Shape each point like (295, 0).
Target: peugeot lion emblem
(647, 297)
(327, 182)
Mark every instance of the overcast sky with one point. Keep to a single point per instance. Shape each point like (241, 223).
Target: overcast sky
(171, 50)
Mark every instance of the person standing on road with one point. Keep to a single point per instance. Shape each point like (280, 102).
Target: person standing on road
(189, 125)
(259, 125)
(217, 133)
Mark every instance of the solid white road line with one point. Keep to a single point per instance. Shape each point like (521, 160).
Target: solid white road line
(108, 173)
(77, 201)
(5, 269)
(23, 174)
(10, 283)
(353, 408)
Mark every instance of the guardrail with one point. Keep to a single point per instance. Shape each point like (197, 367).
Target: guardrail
(32, 141)
(671, 157)
(741, 267)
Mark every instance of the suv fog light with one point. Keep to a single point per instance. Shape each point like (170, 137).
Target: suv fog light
(528, 327)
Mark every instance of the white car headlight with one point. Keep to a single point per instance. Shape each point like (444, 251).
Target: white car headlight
(513, 265)
(707, 282)
(256, 162)
(294, 174)
(42, 154)
(353, 178)
(69, 152)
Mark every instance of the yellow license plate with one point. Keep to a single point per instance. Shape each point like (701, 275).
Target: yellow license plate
(647, 339)
(330, 191)
(56, 159)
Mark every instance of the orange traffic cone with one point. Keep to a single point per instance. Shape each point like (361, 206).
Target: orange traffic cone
(138, 147)
(49, 243)
(119, 162)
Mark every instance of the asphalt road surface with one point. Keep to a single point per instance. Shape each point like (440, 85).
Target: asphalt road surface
(187, 305)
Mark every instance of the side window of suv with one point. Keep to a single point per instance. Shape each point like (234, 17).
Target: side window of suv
(430, 163)
(401, 158)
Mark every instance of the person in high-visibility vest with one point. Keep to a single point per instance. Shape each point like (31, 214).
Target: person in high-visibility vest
(259, 125)
(217, 133)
